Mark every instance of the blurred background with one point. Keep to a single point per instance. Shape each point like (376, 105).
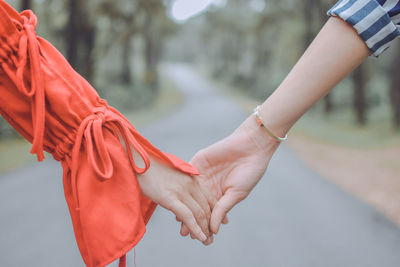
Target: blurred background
(243, 49)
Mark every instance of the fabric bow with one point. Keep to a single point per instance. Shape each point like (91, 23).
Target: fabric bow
(91, 130)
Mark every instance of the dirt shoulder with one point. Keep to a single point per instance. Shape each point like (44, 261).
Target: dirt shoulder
(372, 175)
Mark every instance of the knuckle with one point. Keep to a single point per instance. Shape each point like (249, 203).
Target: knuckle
(187, 215)
(172, 205)
(202, 216)
(196, 230)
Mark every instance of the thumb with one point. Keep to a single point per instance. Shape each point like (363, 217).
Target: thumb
(221, 208)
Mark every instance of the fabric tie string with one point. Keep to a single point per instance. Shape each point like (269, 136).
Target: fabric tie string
(91, 131)
(29, 59)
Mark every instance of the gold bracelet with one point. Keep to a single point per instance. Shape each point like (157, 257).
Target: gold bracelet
(262, 125)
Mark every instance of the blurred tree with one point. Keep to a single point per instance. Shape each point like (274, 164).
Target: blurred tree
(80, 38)
(359, 94)
(157, 26)
(238, 51)
(309, 13)
(261, 50)
(126, 69)
(146, 19)
(252, 48)
(26, 4)
(72, 35)
(125, 17)
(394, 91)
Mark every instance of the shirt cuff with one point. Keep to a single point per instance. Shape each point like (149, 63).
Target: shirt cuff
(371, 21)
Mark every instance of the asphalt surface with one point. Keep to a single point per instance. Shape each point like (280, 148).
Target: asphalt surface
(293, 218)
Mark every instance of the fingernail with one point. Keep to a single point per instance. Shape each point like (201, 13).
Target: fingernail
(208, 241)
(203, 237)
(216, 232)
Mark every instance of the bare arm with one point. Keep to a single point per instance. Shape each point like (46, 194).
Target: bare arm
(232, 167)
(336, 51)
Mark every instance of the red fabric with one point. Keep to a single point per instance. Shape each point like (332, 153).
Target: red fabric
(53, 107)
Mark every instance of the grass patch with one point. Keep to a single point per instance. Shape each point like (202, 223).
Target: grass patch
(339, 129)
(14, 153)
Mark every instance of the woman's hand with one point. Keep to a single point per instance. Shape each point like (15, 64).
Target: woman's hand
(179, 193)
(232, 167)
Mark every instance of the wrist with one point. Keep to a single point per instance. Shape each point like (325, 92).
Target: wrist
(260, 122)
(278, 123)
(258, 136)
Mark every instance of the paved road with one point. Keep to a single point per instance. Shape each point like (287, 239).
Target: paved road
(293, 218)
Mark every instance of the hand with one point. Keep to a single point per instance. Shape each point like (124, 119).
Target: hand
(179, 193)
(232, 167)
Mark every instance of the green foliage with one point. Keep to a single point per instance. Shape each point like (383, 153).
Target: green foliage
(254, 49)
(248, 44)
(6, 131)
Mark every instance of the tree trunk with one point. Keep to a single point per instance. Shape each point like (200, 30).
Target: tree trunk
(150, 75)
(126, 77)
(395, 88)
(72, 33)
(26, 4)
(395, 100)
(87, 60)
(80, 39)
(151, 56)
(328, 104)
(308, 22)
(359, 97)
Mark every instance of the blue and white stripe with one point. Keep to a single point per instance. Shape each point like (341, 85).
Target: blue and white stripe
(376, 21)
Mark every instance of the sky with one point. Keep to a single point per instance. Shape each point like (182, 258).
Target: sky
(183, 10)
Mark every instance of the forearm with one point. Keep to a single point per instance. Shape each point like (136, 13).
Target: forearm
(233, 166)
(336, 51)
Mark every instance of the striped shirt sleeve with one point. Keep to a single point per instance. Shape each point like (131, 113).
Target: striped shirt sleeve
(376, 21)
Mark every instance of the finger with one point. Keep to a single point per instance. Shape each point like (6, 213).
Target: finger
(199, 197)
(204, 205)
(184, 230)
(223, 206)
(225, 220)
(211, 199)
(199, 214)
(209, 241)
(185, 215)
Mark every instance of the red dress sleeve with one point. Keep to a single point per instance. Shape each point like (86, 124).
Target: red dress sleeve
(57, 110)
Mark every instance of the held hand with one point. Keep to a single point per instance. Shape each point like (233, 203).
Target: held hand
(179, 193)
(232, 167)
